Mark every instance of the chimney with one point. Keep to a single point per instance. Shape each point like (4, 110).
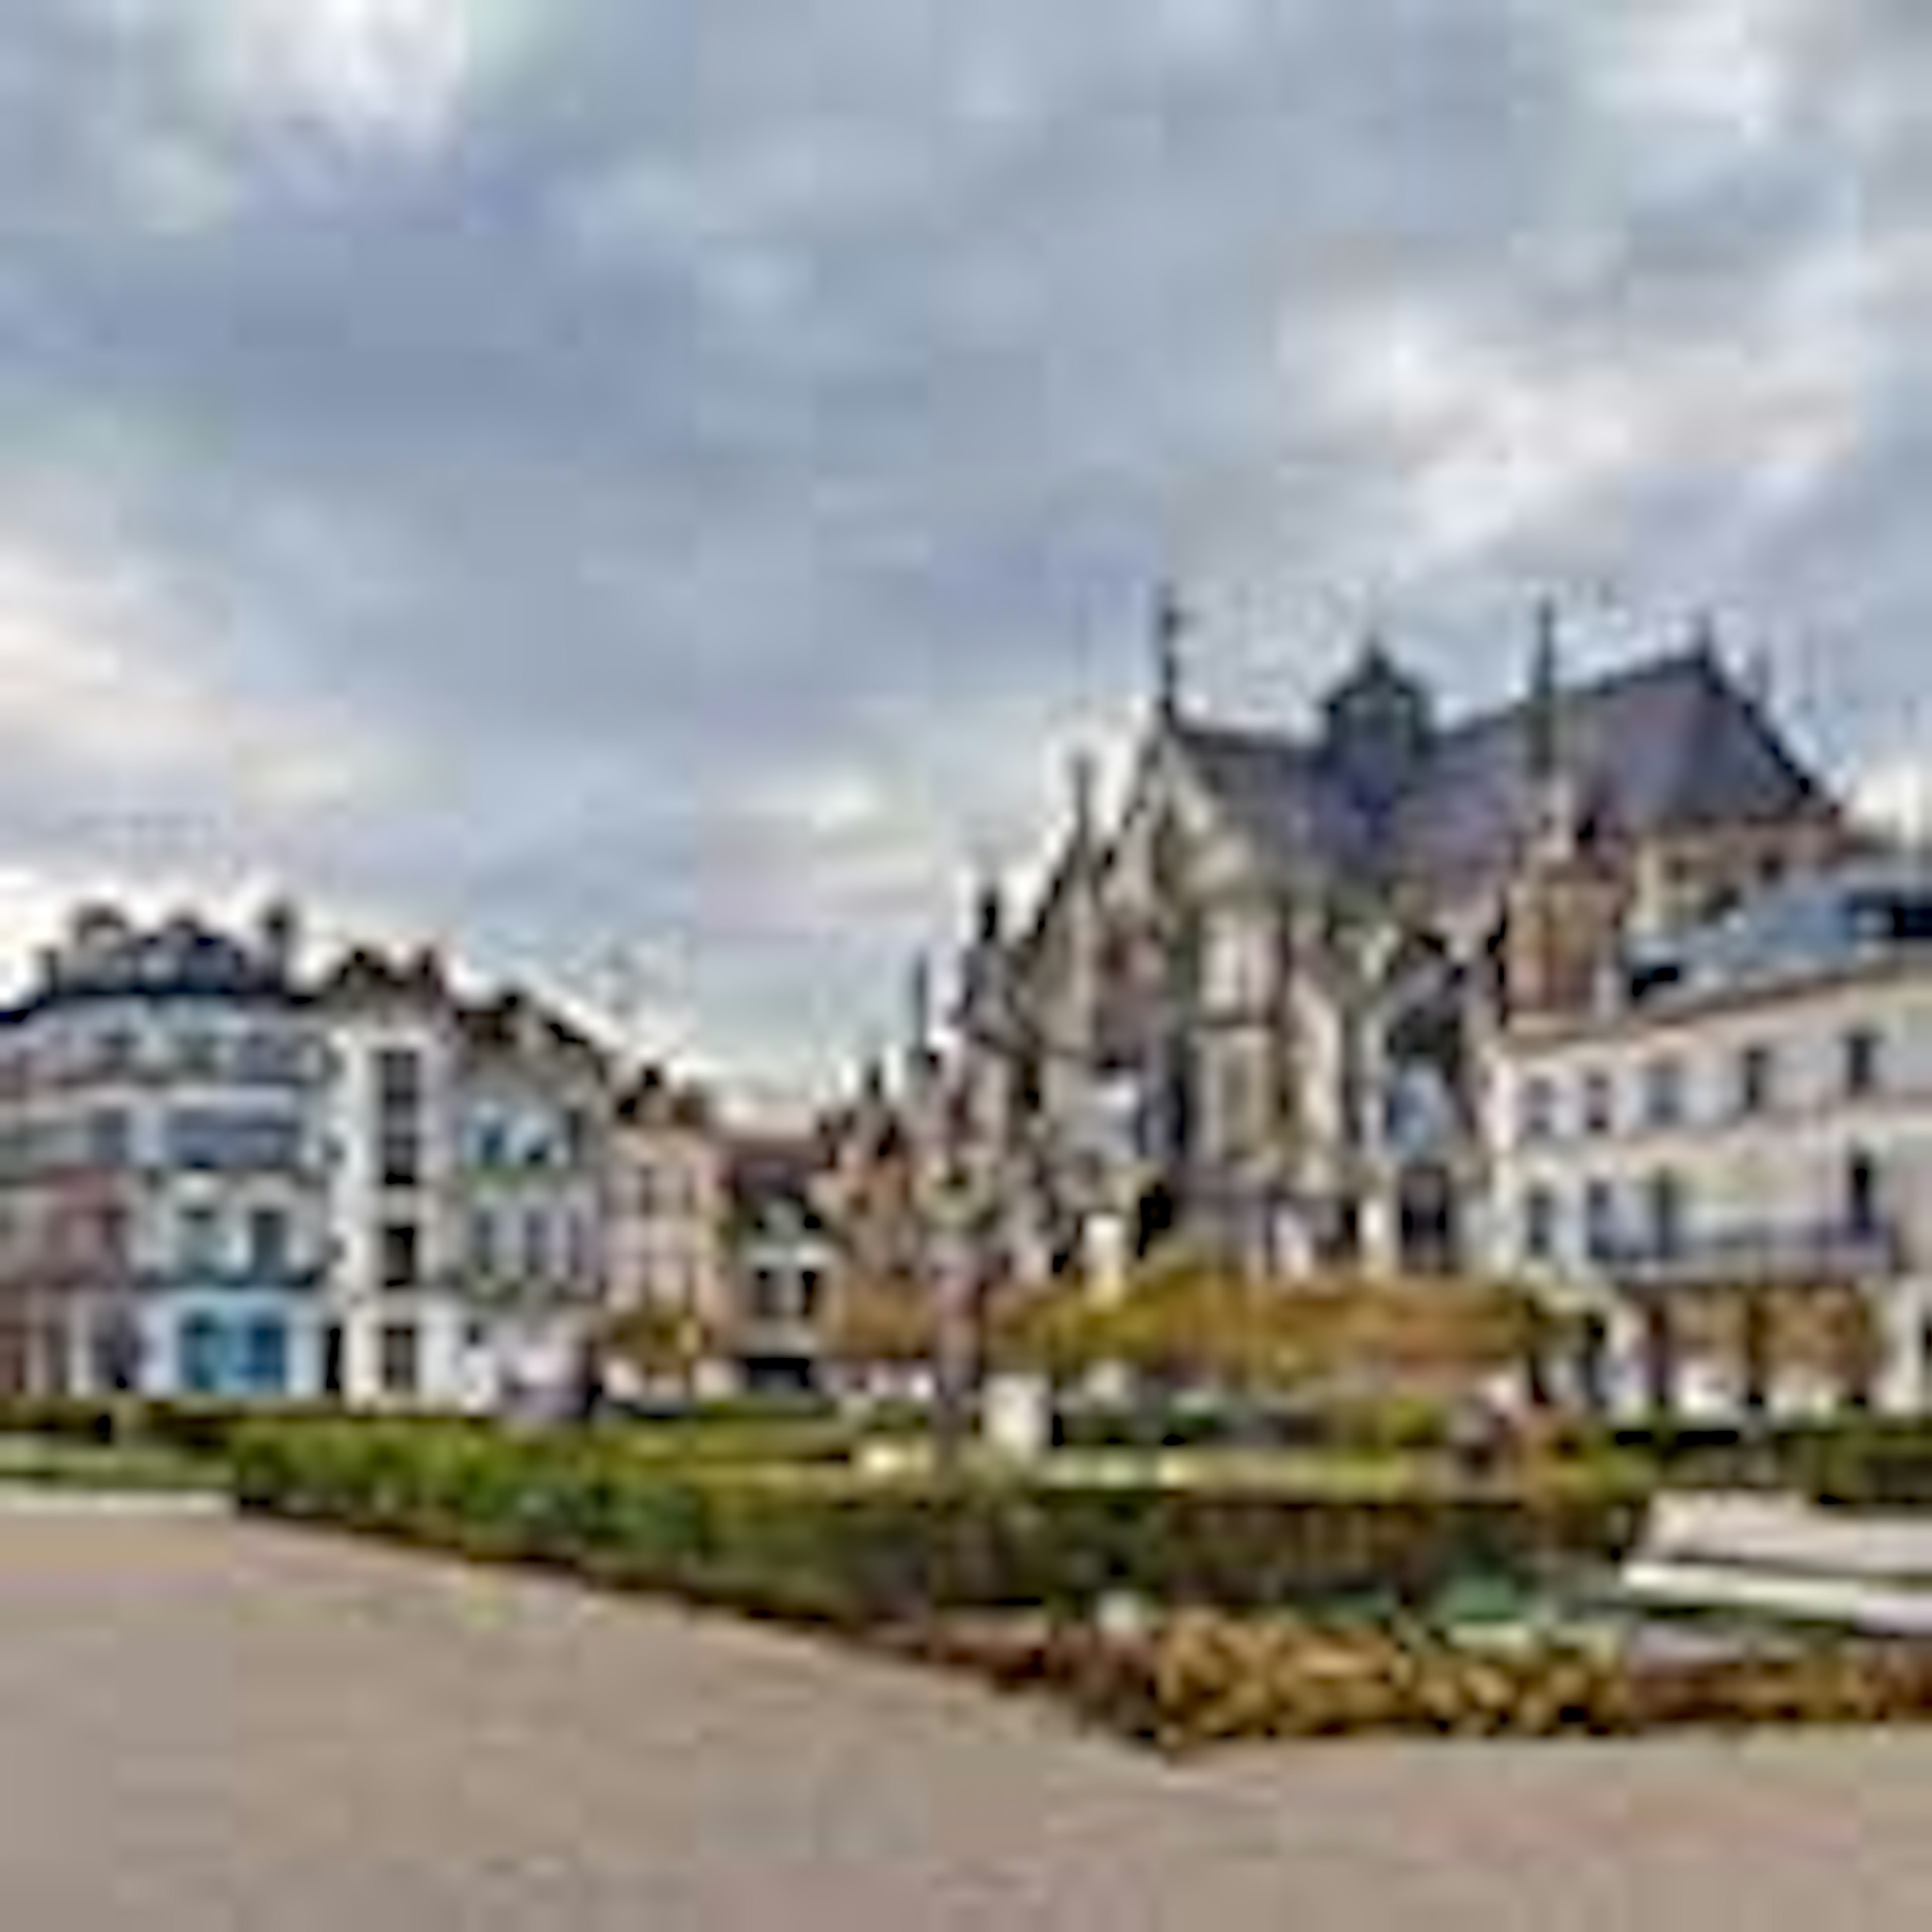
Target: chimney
(95, 934)
(280, 938)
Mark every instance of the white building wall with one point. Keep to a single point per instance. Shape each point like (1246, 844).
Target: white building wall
(361, 1206)
(1779, 1171)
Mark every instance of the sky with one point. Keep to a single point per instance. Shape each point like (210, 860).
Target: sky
(670, 482)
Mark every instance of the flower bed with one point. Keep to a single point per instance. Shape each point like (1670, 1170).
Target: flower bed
(1204, 1679)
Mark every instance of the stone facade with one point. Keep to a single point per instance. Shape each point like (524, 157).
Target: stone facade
(1252, 1009)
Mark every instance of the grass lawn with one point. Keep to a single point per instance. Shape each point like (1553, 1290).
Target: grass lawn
(43, 1462)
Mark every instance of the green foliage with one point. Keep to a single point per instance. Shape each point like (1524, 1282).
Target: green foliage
(1873, 1464)
(825, 1543)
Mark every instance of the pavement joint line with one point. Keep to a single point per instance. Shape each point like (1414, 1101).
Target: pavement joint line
(48, 1500)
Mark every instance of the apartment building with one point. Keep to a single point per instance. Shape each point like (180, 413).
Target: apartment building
(221, 1179)
(163, 1196)
(1726, 1159)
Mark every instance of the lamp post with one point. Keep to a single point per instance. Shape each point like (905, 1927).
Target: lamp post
(953, 1261)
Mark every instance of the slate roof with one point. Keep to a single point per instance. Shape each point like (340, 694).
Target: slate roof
(769, 1173)
(184, 959)
(1815, 926)
(1671, 746)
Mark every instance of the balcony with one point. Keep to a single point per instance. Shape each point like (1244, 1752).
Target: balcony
(1825, 1254)
(230, 1281)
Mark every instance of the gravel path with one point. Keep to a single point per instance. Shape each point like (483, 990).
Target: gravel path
(206, 1725)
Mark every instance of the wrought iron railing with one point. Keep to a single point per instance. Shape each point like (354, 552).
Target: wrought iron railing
(1827, 1253)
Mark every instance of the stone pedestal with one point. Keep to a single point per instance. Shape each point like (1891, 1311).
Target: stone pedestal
(1381, 1233)
(1018, 1417)
(1291, 1250)
(1903, 1309)
(1103, 1244)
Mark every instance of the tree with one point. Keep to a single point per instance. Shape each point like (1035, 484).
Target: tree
(662, 1342)
(874, 1325)
(1185, 1319)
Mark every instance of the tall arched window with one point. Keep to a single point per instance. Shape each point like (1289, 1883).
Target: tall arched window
(1864, 1193)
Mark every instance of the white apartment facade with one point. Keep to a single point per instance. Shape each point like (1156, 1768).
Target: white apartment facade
(220, 1180)
(163, 1173)
(1727, 1164)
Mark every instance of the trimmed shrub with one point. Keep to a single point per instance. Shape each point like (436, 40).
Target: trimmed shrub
(824, 1543)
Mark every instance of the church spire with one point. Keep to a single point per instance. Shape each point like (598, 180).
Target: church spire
(1172, 621)
(1083, 780)
(919, 1005)
(1546, 695)
(990, 910)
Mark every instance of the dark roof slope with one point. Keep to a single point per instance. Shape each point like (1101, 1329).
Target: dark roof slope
(1673, 746)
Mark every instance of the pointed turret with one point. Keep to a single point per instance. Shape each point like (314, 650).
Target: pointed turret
(919, 1006)
(1546, 696)
(1172, 622)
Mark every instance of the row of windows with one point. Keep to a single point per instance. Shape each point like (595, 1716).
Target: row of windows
(205, 1241)
(264, 1057)
(784, 1294)
(670, 1193)
(1757, 1079)
(541, 1243)
(1656, 1221)
(497, 1143)
(204, 1139)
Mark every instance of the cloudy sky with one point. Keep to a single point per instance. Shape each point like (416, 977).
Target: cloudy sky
(569, 475)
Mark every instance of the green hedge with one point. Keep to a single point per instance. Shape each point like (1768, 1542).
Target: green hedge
(718, 1433)
(826, 1544)
(191, 1428)
(1878, 1464)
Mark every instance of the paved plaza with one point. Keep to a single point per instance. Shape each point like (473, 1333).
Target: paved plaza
(206, 1725)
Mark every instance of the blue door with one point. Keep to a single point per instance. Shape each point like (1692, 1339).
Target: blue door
(204, 1355)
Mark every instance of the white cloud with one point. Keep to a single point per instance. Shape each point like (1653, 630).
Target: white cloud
(853, 841)
(1896, 795)
(387, 74)
(1491, 442)
(1731, 69)
(91, 685)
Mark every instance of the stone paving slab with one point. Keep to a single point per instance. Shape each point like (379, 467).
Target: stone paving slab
(207, 1725)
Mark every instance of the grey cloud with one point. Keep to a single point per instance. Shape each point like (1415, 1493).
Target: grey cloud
(734, 396)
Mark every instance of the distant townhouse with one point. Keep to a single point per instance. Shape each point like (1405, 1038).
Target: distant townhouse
(667, 1207)
(534, 1136)
(163, 1200)
(1726, 1155)
(784, 1262)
